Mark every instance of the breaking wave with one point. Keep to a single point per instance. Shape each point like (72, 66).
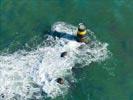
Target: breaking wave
(32, 75)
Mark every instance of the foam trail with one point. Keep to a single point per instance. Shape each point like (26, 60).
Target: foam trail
(26, 75)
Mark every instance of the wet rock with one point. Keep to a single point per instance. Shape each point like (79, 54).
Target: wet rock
(60, 81)
(63, 54)
(2, 95)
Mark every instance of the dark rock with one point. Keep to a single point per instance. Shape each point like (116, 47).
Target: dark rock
(63, 54)
(2, 95)
(60, 80)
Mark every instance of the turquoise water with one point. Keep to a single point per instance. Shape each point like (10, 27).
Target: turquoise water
(27, 22)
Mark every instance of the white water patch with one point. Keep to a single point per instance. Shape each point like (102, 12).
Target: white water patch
(26, 75)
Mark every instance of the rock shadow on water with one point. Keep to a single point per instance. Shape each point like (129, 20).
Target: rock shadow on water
(64, 35)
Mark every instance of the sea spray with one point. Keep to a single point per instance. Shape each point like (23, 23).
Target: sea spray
(32, 74)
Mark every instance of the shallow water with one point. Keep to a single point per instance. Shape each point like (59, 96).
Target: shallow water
(24, 25)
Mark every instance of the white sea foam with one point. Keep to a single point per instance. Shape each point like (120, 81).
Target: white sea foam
(26, 75)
